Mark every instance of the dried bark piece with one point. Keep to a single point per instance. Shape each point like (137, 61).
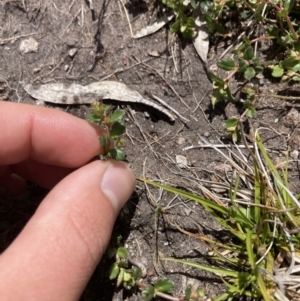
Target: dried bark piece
(78, 94)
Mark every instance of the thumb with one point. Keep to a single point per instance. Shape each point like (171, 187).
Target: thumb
(58, 250)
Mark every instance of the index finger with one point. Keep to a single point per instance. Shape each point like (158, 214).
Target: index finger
(45, 135)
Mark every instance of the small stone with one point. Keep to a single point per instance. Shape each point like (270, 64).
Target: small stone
(36, 70)
(72, 52)
(180, 140)
(66, 67)
(146, 114)
(154, 53)
(29, 45)
(295, 154)
(206, 134)
(181, 161)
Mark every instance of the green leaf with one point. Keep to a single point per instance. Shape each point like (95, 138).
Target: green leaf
(230, 124)
(148, 293)
(251, 112)
(249, 73)
(175, 27)
(277, 71)
(105, 143)
(111, 251)
(116, 154)
(120, 277)
(289, 4)
(296, 78)
(137, 273)
(127, 276)
(116, 116)
(114, 271)
(297, 46)
(235, 136)
(242, 66)
(94, 118)
(117, 129)
(290, 62)
(217, 80)
(249, 53)
(283, 13)
(122, 253)
(216, 270)
(226, 64)
(164, 285)
(296, 67)
(188, 292)
(194, 4)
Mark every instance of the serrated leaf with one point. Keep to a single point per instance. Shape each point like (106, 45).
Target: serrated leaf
(116, 116)
(122, 253)
(226, 64)
(249, 73)
(117, 129)
(114, 271)
(149, 293)
(164, 285)
(249, 53)
(277, 71)
(230, 124)
(116, 154)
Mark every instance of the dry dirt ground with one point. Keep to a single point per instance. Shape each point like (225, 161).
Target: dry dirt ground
(73, 44)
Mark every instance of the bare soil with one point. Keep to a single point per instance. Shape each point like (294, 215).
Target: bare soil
(102, 48)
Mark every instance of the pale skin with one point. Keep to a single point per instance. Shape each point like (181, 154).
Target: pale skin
(58, 250)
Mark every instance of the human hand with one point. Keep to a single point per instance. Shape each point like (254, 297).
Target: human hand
(58, 250)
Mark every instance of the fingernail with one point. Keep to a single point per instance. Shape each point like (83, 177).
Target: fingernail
(118, 184)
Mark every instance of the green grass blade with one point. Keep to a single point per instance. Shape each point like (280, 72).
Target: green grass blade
(215, 270)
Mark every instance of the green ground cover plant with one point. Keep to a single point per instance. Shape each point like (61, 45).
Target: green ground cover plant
(265, 42)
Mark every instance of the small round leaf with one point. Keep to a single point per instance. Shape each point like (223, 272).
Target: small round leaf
(249, 73)
(122, 253)
(164, 285)
(277, 71)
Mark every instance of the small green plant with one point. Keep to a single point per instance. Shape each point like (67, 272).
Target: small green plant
(129, 277)
(261, 261)
(184, 23)
(280, 28)
(113, 128)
